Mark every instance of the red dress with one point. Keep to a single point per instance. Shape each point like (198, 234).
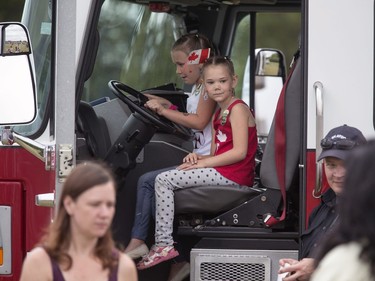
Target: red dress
(242, 172)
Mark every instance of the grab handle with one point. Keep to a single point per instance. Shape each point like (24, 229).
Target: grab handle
(318, 89)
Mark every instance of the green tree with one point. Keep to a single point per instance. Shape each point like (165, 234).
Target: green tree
(11, 10)
(285, 29)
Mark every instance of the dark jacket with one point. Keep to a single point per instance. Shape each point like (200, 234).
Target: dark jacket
(321, 220)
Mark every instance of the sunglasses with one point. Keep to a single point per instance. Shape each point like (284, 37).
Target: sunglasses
(338, 144)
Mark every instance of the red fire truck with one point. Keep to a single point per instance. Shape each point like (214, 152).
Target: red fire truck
(71, 82)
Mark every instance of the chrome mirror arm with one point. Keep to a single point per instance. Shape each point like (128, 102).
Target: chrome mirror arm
(44, 153)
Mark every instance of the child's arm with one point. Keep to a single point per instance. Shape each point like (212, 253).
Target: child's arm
(162, 101)
(242, 118)
(197, 121)
(213, 133)
(192, 158)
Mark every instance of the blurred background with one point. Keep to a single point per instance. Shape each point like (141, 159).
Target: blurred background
(11, 10)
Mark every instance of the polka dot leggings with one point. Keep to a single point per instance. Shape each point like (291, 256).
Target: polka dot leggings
(166, 183)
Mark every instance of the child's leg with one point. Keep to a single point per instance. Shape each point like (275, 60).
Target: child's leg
(165, 184)
(145, 206)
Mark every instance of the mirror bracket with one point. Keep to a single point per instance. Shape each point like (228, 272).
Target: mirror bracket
(45, 153)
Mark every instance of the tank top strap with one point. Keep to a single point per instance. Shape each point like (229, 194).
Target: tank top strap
(114, 272)
(216, 115)
(57, 274)
(113, 275)
(234, 103)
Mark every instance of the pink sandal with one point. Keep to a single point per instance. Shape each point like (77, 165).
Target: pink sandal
(157, 255)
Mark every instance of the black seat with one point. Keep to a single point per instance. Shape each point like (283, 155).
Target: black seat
(94, 130)
(244, 206)
(204, 201)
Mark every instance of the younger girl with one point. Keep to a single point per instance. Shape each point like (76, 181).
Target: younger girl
(231, 162)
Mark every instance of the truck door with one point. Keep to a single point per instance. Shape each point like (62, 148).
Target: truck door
(339, 60)
(42, 154)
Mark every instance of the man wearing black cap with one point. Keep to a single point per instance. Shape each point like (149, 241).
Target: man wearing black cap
(335, 148)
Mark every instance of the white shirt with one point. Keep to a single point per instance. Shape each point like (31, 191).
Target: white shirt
(202, 139)
(343, 263)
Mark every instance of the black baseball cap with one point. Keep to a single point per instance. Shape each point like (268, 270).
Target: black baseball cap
(340, 141)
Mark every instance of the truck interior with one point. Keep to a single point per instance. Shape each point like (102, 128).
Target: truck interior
(72, 85)
(124, 52)
(207, 211)
(140, 141)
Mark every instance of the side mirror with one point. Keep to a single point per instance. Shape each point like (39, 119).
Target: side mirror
(270, 75)
(18, 102)
(270, 62)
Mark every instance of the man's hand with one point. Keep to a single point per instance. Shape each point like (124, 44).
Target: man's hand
(298, 270)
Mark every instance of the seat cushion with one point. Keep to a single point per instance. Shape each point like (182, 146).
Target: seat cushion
(212, 199)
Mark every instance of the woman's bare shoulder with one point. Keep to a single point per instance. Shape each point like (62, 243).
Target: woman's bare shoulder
(127, 270)
(36, 256)
(36, 266)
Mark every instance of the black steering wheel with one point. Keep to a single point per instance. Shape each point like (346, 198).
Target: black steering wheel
(120, 90)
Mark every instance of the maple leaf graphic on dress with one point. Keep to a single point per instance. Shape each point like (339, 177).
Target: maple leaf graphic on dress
(198, 56)
(221, 137)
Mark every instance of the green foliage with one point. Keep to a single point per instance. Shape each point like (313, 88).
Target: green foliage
(11, 10)
(134, 49)
(282, 33)
(273, 30)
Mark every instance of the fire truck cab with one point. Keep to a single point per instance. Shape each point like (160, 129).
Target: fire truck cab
(78, 87)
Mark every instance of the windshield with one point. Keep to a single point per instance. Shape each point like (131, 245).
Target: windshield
(134, 48)
(37, 17)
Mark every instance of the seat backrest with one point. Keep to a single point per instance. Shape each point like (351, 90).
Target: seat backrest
(94, 130)
(250, 201)
(293, 138)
